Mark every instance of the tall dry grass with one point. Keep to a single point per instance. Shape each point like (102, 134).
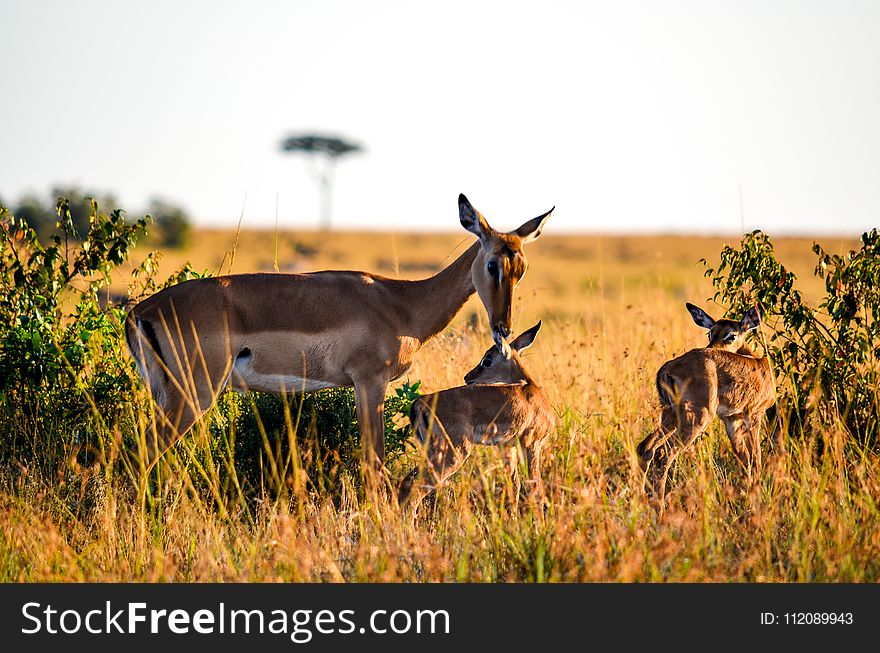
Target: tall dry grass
(613, 312)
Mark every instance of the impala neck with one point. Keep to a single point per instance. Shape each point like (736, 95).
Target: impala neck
(435, 301)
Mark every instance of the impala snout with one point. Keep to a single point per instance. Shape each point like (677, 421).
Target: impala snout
(501, 328)
(499, 335)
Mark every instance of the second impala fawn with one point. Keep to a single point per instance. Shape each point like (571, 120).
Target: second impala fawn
(501, 405)
(726, 379)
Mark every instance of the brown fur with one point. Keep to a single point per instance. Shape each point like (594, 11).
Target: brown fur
(725, 379)
(501, 406)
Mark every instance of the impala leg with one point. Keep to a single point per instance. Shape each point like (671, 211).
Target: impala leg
(738, 436)
(185, 381)
(533, 463)
(514, 458)
(744, 437)
(777, 433)
(370, 402)
(160, 435)
(179, 410)
(534, 485)
(752, 428)
(444, 456)
(693, 421)
(512, 463)
(733, 426)
(647, 448)
(169, 424)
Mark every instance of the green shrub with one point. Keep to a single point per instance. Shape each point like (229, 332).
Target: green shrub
(68, 386)
(62, 373)
(40, 214)
(255, 429)
(825, 357)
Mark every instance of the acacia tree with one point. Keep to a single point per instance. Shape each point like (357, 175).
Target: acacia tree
(323, 152)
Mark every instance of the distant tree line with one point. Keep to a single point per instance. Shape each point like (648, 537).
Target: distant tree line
(171, 225)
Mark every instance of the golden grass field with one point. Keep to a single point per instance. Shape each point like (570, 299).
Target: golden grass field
(613, 311)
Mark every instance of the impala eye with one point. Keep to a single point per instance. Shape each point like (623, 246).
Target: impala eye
(487, 362)
(492, 268)
(730, 337)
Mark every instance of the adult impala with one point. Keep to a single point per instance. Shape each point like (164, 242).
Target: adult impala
(501, 405)
(285, 333)
(726, 379)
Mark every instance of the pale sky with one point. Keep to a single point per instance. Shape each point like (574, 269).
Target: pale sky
(648, 116)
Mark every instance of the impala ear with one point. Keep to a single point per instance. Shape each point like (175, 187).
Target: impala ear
(701, 317)
(751, 319)
(471, 219)
(525, 339)
(530, 230)
(503, 345)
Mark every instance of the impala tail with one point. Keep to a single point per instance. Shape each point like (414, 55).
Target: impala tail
(153, 371)
(665, 388)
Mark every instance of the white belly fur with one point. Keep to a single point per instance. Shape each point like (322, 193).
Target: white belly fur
(244, 378)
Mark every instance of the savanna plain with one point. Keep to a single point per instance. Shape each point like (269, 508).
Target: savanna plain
(291, 508)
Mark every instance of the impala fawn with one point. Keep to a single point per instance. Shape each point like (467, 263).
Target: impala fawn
(726, 379)
(501, 405)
